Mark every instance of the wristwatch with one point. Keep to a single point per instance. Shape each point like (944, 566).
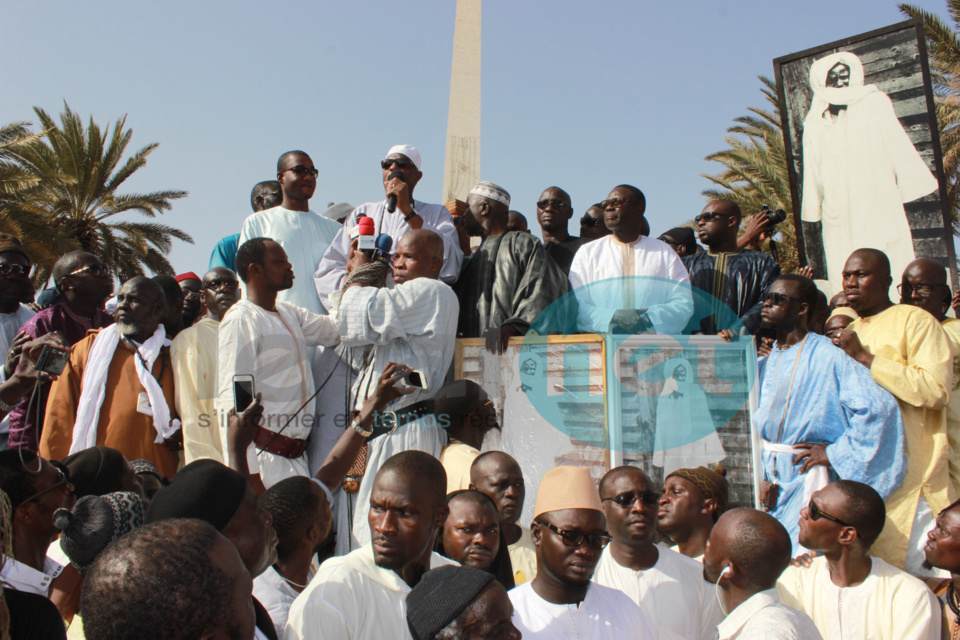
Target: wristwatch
(410, 215)
(356, 427)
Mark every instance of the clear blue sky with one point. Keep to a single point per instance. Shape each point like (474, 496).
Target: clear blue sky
(584, 95)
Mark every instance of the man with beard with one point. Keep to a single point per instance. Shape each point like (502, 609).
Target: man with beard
(194, 355)
(668, 586)
(734, 277)
(192, 286)
(471, 535)
(498, 475)
(360, 596)
(85, 284)
(924, 285)
(117, 388)
(271, 340)
(821, 417)
(847, 592)
(569, 532)
(746, 553)
(510, 281)
(554, 211)
(908, 354)
(303, 234)
(206, 490)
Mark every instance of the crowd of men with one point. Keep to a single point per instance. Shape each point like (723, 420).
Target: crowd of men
(279, 448)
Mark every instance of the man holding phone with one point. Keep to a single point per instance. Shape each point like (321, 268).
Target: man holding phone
(272, 341)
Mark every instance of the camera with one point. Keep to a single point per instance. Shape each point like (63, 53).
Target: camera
(775, 217)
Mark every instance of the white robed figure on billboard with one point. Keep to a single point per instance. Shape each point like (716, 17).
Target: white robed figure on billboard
(859, 167)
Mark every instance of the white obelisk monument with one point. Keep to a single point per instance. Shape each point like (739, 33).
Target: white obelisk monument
(462, 168)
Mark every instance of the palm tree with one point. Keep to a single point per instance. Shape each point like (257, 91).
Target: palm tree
(76, 203)
(755, 170)
(943, 48)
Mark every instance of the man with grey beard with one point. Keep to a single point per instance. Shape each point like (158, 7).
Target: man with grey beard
(117, 388)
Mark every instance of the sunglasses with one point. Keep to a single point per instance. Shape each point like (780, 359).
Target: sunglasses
(302, 171)
(816, 514)
(615, 203)
(647, 498)
(403, 163)
(559, 205)
(777, 299)
(589, 221)
(709, 216)
(218, 284)
(596, 541)
(14, 271)
(101, 270)
(62, 480)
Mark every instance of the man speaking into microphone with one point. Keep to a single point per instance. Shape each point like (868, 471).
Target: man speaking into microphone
(396, 214)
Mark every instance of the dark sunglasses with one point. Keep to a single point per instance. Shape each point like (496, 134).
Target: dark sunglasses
(403, 163)
(214, 285)
(62, 480)
(777, 299)
(596, 541)
(559, 205)
(616, 203)
(101, 270)
(816, 514)
(709, 216)
(303, 171)
(14, 271)
(647, 498)
(589, 221)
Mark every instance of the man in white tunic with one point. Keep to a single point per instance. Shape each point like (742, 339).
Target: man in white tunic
(668, 586)
(746, 553)
(652, 287)
(194, 357)
(269, 339)
(414, 322)
(847, 592)
(569, 532)
(303, 234)
(361, 596)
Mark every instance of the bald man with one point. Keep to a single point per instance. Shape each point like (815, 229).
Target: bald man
(360, 596)
(737, 277)
(516, 221)
(498, 475)
(908, 354)
(554, 211)
(924, 284)
(510, 280)
(668, 586)
(746, 553)
(106, 395)
(467, 413)
(414, 322)
(194, 354)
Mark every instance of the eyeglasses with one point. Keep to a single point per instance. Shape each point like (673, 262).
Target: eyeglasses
(14, 271)
(100, 270)
(62, 481)
(220, 283)
(647, 498)
(816, 514)
(303, 171)
(590, 221)
(777, 299)
(614, 203)
(596, 541)
(559, 205)
(709, 216)
(922, 290)
(670, 241)
(403, 163)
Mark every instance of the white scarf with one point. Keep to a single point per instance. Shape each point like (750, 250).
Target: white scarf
(94, 387)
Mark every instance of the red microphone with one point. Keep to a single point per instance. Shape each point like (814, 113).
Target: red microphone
(365, 238)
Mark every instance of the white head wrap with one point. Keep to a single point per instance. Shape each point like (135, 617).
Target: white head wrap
(492, 191)
(824, 96)
(407, 150)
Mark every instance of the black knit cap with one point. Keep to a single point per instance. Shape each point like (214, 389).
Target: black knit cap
(95, 471)
(205, 489)
(441, 596)
(684, 236)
